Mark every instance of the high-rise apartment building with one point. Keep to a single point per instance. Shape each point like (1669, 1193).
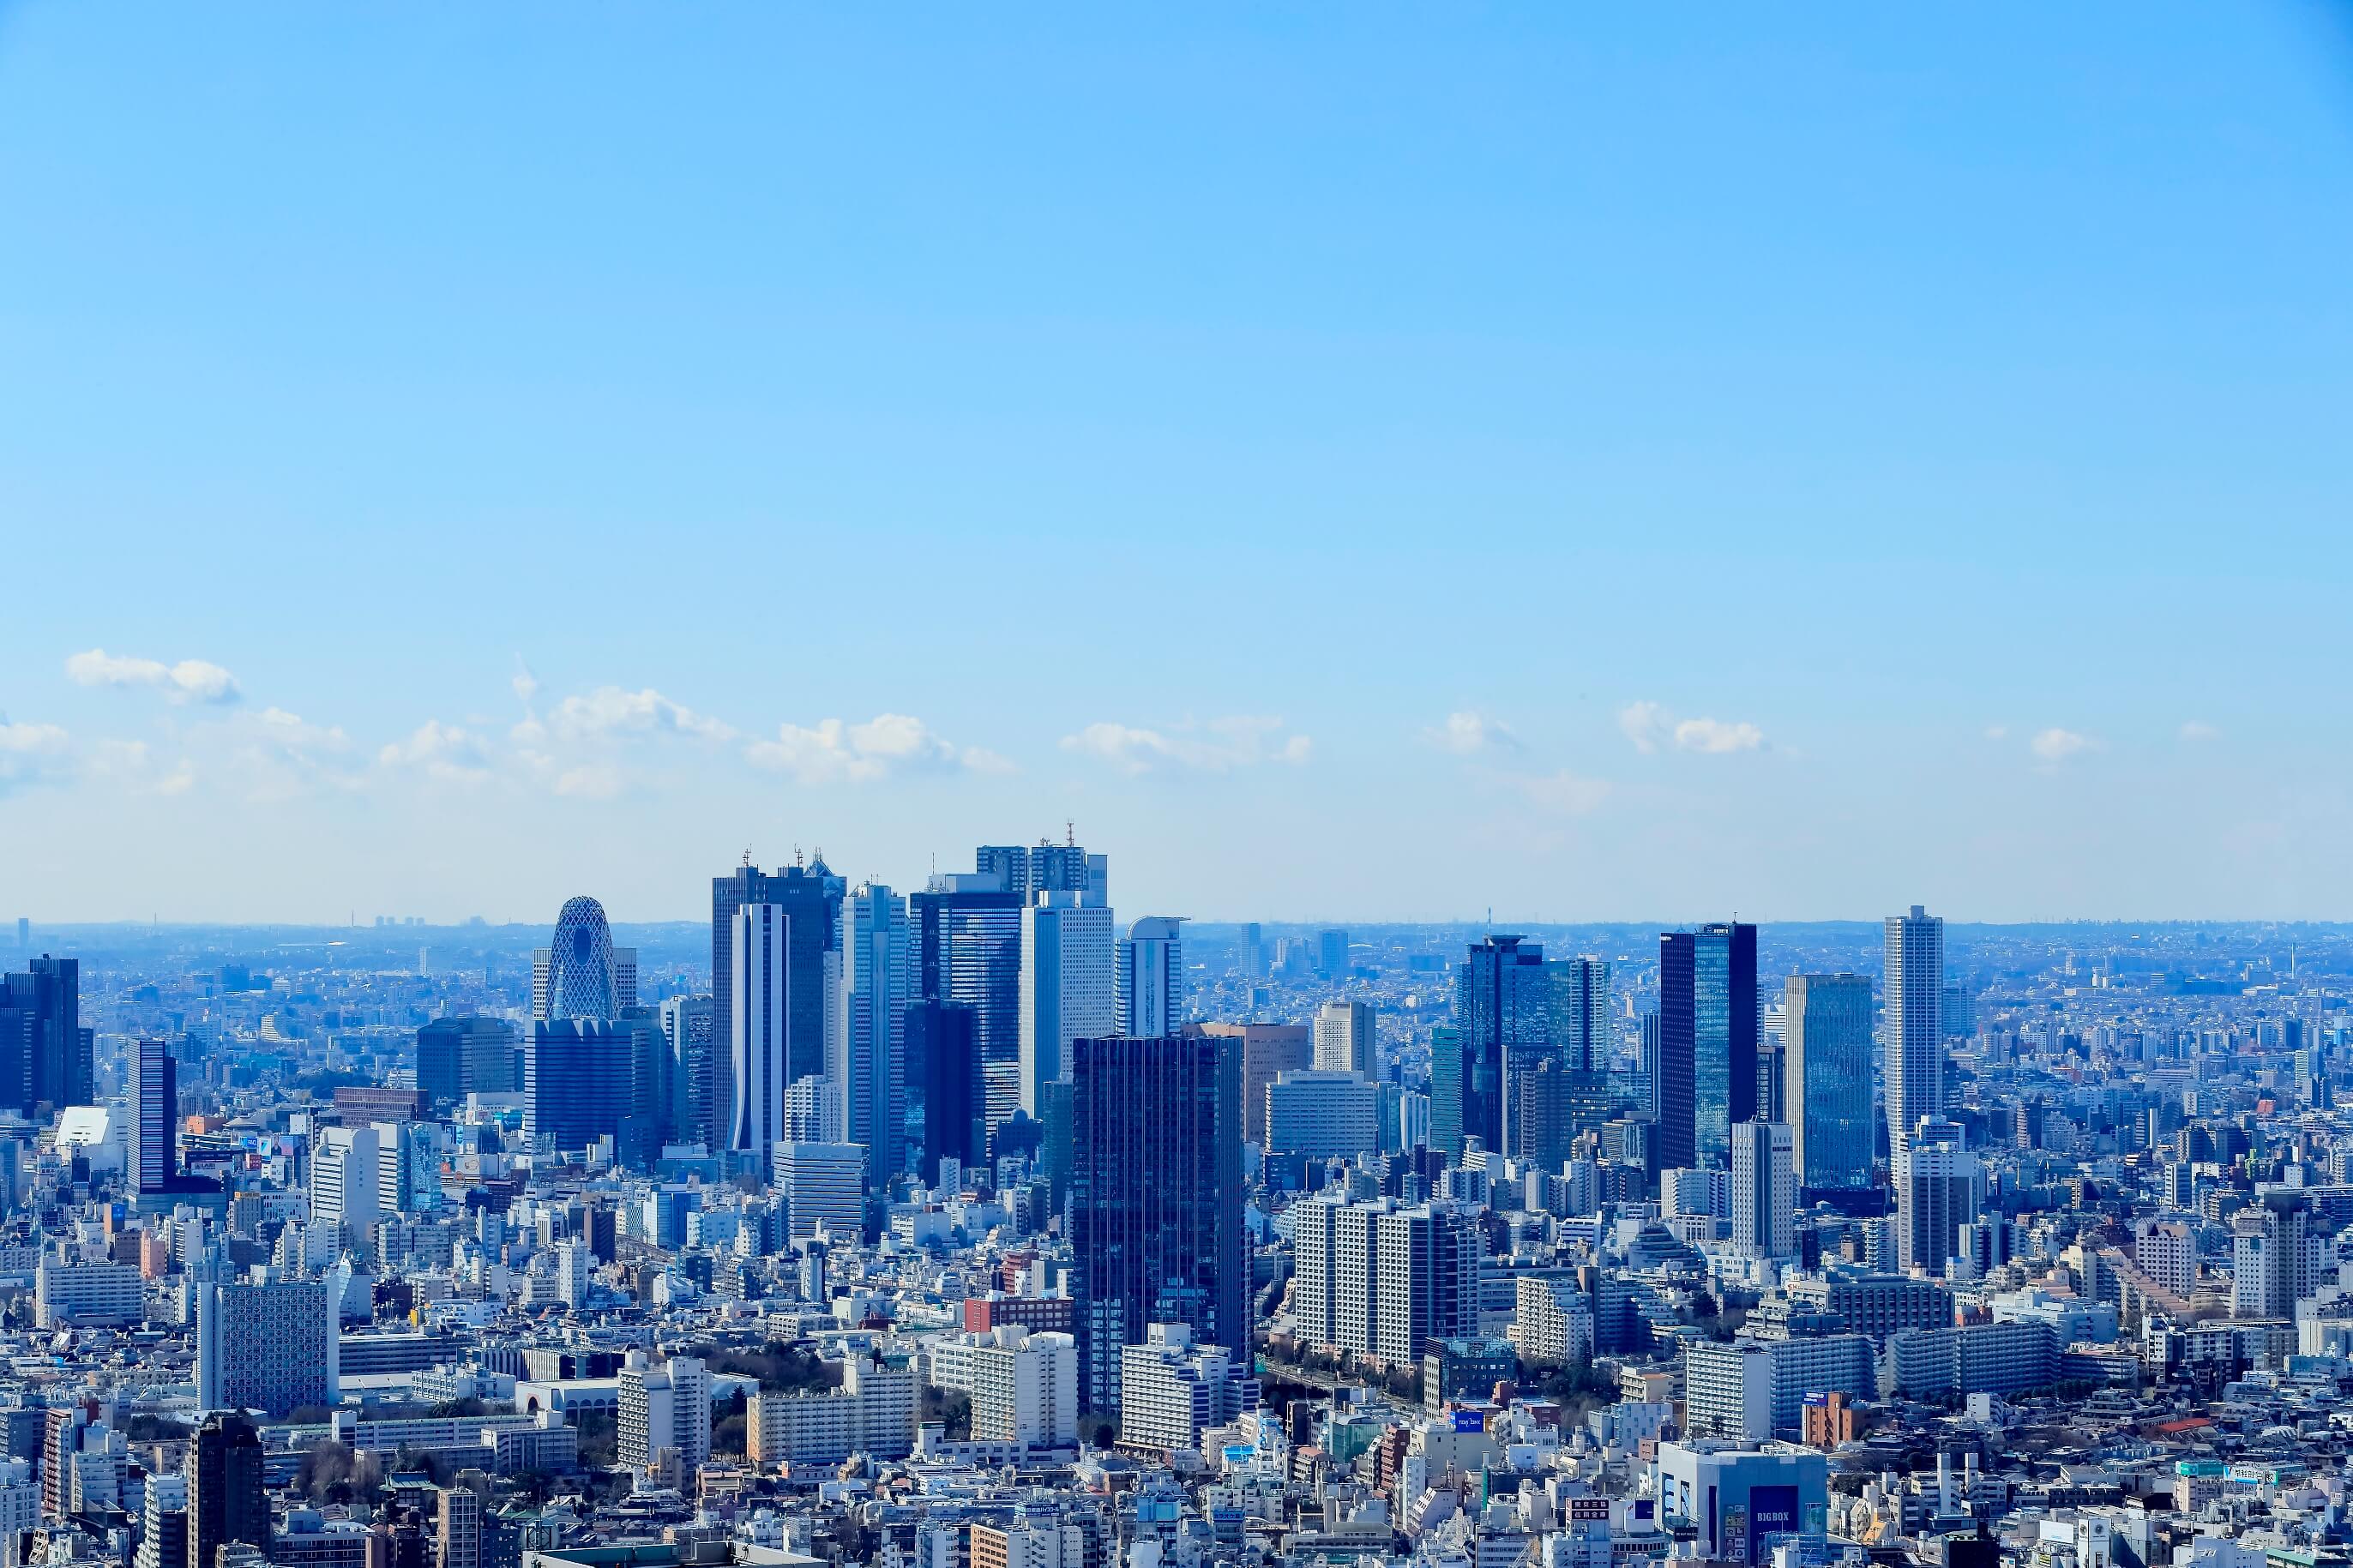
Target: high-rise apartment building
(1584, 1028)
(270, 1345)
(458, 1532)
(1156, 1198)
(1939, 1188)
(1148, 978)
(154, 1115)
(1826, 1068)
(1345, 1040)
(580, 973)
(1267, 1051)
(1066, 987)
(1710, 1027)
(1383, 1278)
(226, 1501)
(1763, 1189)
(1502, 1020)
(664, 1405)
(345, 1185)
(1915, 1031)
(869, 1062)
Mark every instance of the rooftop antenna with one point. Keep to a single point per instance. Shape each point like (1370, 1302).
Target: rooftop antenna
(1069, 834)
(796, 855)
(747, 855)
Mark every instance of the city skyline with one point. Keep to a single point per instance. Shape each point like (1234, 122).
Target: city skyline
(1652, 482)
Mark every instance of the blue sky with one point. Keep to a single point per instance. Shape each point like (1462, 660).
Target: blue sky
(1377, 462)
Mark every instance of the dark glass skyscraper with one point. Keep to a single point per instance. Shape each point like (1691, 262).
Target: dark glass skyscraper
(225, 1498)
(579, 1083)
(1709, 1031)
(1155, 1207)
(943, 1059)
(810, 899)
(466, 1055)
(44, 1053)
(965, 934)
(1502, 1012)
(1825, 1063)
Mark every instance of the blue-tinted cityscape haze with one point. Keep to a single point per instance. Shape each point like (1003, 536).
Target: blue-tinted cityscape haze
(1218, 788)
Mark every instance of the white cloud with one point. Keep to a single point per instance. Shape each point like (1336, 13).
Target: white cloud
(610, 711)
(1466, 731)
(1220, 745)
(838, 753)
(590, 781)
(2198, 730)
(30, 753)
(1642, 723)
(190, 680)
(1571, 795)
(1997, 732)
(1715, 736)
(1649, 726)
(2056, 745)
(291, 731)
(442, 751)
(526, 684)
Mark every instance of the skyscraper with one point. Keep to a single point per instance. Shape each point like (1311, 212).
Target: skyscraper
(1826, 1064)
(1156, 1198)
(810, 899)
(1503, 1017)
(154, 1115)
(345, 1185)
(270, 1345)
(965, 929)
(579, 1082)
(1330, 954)
(1344, 1038)
(1027, 871)
(1763, 1189)
(1584, 1031)
(1066, 987)
(580, 973)
(468, 1055)
(1939, 1188)
(685, 1023)
(44, 1053)
(758, 1005)
(944, 1045)
(870, 1058)
(1148, 978)
(1709, 1029)
(1915, 1033)
(226, 1501)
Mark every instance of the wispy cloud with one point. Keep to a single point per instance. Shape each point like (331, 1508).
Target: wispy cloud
(611, 711)
(526, 684)
(833, 752)
(1467, 733)
(2196, 730)
(1649, 726)
(2056, 745)
(30, 753)
(189, 680)
(440, 751)
(1217, 746)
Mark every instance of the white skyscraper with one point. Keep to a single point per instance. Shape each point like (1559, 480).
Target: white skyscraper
(756, 988)
(1066, 988)
(272, 1344)
(1763, 1189)
(867, 1061)
(1939, 1188)
(346, 1184)
(1148, 986)
(663, 1406)
(1915, 1033)
(1344, 1038)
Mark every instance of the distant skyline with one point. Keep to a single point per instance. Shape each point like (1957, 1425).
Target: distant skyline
(1575, 465)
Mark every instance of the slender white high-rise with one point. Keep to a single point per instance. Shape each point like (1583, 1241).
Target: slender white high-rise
(1148, 989)
(1914, 1034)
(1344, 1038)
(757, 986)
(1066, 988)
(867, 1064)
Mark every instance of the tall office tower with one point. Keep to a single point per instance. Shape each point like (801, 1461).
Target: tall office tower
(1584, 1029)
(580, 973)
(967, 933)
(685, 1024)
(154, 1115)
(1763, 1189)
(1268, 1051)
(1915, 1031)
(1066, 987)
(462, 1055)
(1504, 1015)
(810, 899)
(226, 1501)
(760, 973)
(344, 1182)
(945, 1045)
(1939, 1188)
(1330, 954)
(1148, 978)
(1446, 1069)
(1253, 952)
(1344, 1039)
(1044, 868)
(44, 1053)
(1960, 1012)
(1155, 1203)
(824, 1187)
(664, 1405)
(1826, 1077)
(1709, 1029)
(272, 1345)
(457, 1534)
(870, 1057)
(579, 1082)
